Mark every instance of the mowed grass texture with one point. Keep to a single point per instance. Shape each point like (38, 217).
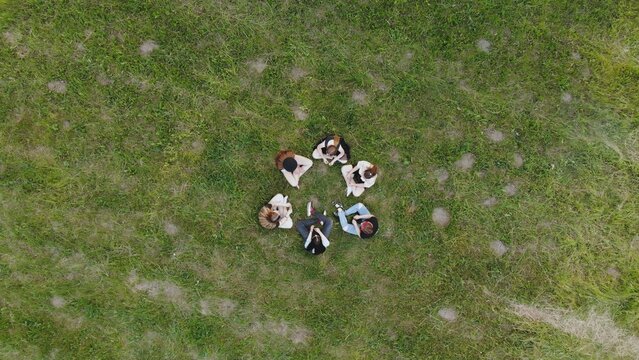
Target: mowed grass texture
(137, 142)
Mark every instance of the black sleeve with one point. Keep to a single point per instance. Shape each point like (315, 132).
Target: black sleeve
(346, 147)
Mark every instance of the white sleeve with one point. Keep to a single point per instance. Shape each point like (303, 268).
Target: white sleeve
(325, 241)
(290, 178)
(308, 239)
(370, 182)
(277, 200)
(303, 161)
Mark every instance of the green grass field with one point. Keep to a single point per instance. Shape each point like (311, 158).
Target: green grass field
(137, 142)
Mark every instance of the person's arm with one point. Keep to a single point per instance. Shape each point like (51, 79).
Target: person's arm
(309, 237)
(303, 165)
(356, 225)
(303, 162)
(291, 178)
(362, 217)
(370, 182)
(319, 153)
(340, 153)
(325, 241)
(353, 170)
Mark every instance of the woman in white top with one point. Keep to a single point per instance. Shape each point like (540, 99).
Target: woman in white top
(276, 213)
(292, 166)
(331, 149)
(359, 177)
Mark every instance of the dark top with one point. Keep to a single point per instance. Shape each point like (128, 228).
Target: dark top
(373, 221)
(319, 248)
(342, 143)
(357, 177)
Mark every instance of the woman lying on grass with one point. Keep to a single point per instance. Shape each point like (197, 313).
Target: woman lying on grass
(331, 149)
(363, 224)
(359, 177)
(315, 231)
(276, 213)
(292, 166)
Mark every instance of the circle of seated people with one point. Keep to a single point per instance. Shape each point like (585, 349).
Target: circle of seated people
(316, 229)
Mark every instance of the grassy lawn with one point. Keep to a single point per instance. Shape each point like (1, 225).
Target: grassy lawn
(137, 142)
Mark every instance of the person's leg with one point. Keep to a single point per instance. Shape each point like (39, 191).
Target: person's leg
(286, 223)
(317, 154)
(343, 159)
(303, 227)
(358, 191)
(355, 209)
(363, 210)
(303, 163)
(346, 226)
(345, 170)
(327, 224)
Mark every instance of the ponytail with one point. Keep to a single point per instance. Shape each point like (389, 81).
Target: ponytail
(281, 156)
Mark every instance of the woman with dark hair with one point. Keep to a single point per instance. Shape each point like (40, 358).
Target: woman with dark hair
(331, 149)
(315, 231)
(276, 213)
(359, 177)
(293, 166)
(363, 224)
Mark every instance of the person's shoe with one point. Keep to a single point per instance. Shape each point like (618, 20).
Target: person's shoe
(338, 207)
(309, 209)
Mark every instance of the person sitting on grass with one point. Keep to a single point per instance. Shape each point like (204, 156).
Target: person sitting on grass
(363, 224)
(359, 177)
(292, 166)
(315, 231)
(276, 213)
(331, 149)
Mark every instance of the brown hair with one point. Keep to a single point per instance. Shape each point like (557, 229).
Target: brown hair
(267, 217)
(332, 149)
(370, 172)
(281, 156)
(367, 227)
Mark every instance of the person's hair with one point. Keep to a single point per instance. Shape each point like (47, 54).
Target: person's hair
(332, 149)
(316, 239)
(281, 156)
(269, 218)
(367, 227)
(370, 172)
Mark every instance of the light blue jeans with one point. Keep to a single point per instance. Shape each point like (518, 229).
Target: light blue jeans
(358, 208)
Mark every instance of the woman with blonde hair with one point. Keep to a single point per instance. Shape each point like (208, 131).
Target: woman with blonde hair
(276, 213)
(359, 177)
(331, 149)
(293, 166)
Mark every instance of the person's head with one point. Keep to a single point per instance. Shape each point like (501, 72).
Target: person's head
(370, 172)
(269, 218)
(367, 228)
(332, 149)
(316, 239)
(285, 159)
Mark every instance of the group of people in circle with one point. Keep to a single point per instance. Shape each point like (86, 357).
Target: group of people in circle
(316, 229)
